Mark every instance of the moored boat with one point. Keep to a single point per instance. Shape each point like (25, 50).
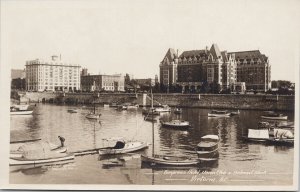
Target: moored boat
(38, 153)
(235, 112)
(180, 124)
(159, 160)
(163, 108)
(20, 110)
(208, 147)
(177, 111)
(217, 113)
(274, 116)
(72, 110)
(258, 135)
(122, 146)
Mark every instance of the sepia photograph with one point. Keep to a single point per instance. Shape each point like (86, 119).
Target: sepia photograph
(150, 95)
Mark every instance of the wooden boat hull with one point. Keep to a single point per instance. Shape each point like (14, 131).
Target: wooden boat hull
(275, 118)
(154, 161)
(218, 115)
(129, 147)
(176, 126)
(21, 112)
(208, 154)
(21, 161)
(283, 142)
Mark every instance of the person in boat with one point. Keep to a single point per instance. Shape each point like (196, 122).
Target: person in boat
(62, 141)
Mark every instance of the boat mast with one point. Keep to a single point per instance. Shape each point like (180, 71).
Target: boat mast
(152, 111)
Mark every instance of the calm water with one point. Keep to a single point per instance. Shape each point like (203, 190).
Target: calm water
(240, 162)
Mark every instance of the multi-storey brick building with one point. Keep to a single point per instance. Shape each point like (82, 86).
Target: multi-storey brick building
(254, 69)
(168, 68)
(52, 75)
(102, 83)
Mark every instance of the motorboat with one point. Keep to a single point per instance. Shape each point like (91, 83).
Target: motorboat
(176, 124)
(121, 146)
(208, 147)
(217, 113)
(163, 108)
(177, 111)
(20, 110)
(72, 110)
(274, 116)
(38, 153)
(235, 112)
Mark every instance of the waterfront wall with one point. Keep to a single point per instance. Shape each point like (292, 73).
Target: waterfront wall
(216, 101)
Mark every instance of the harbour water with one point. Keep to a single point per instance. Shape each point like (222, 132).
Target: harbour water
(240, 162)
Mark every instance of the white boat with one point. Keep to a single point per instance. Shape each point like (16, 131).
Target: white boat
(38, 153)
(106, 105)
(93, 116)
(121, 146)
(176, 124)
(208, 147)
(133, 106)
(24, 161)
(55, 148)
(274, 116)
(20, 110)
(164, 108)
(216, 113)
(235, 112)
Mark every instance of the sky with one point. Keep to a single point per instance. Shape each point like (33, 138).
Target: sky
(132, 36)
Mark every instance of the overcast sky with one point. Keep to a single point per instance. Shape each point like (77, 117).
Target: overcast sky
(132, 36)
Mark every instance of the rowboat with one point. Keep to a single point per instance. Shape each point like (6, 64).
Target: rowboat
(158, 160)
(24, 161)
(216, 113)
(176, 124)
(122, 146)
(93, 116)
(208, 147)
(274, 116)
(235, 112)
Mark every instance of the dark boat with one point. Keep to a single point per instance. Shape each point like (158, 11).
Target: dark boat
(208, 147)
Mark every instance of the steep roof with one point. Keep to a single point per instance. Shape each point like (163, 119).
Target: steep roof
(249, 54)
(193, 53)
(215, 51)
(171, 55)
(224, 56)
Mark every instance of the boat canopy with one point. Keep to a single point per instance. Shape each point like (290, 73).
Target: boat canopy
(258, 133)
(283, 133)
(212, 137)
(38, 150)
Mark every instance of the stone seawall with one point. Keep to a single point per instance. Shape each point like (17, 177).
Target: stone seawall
(216, 101)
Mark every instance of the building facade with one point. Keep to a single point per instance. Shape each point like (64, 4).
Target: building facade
(111, 83)
(168, 68)
(52, 75)
(254, 69)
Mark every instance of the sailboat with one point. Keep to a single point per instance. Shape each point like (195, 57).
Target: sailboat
(161, 160)
(92, 114)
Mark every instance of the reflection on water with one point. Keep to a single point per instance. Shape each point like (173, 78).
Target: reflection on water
(49, 121)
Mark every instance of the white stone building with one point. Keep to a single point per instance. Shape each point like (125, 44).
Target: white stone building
(52, 75)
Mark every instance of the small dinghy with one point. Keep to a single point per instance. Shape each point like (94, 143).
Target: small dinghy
(235, 112)
(93, 116)
(274, 116)
(38, 153)
(72, 110)
(159, 160)
(216, 113)
(179, 124)
(20, 110)
(121, 146)
(208, 147)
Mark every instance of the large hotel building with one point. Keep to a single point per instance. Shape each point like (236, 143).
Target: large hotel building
(230, 70)
(52, 75)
